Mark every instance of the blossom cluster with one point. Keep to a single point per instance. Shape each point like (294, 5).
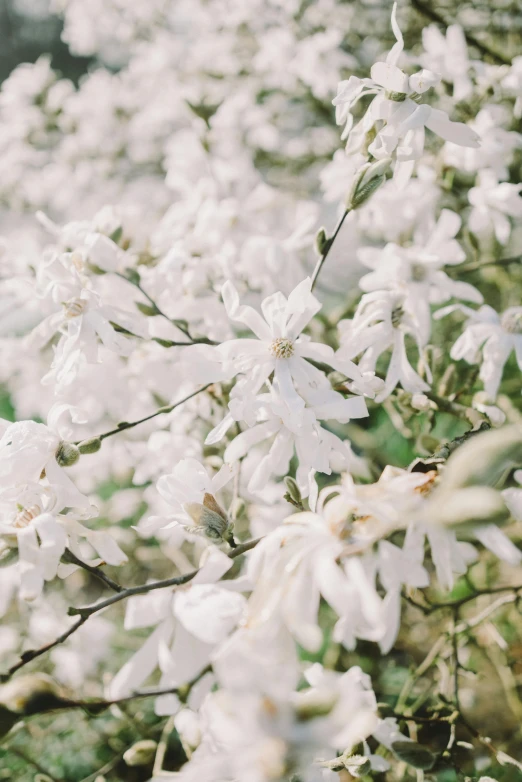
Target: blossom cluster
(163, 313)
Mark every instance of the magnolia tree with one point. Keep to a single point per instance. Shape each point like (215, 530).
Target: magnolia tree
(261, 515)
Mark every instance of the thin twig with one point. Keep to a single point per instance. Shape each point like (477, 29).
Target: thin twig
(456, 663)
(432, 13)
(85, 612)
(158, 311)
(329, 245)
(123, 425)
(99, 574)
(143, 589)
(32, 654)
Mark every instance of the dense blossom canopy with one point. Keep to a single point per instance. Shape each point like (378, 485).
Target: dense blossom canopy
(268, 459)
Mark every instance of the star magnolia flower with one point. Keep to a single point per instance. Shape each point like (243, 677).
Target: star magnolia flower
(191, 491)
(417, 270)
(189, 625)
(448, 55)
(298, 564)
(497, 145)
(314, 445)
(249, 736)
(406, 500)
(31, 523)
(493, 204)
(381, 322)
(29, 450)
(493, 335)
(279, 348)
(82, 322)
(395, 112)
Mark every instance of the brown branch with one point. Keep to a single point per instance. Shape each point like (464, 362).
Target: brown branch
(155, 310)
(428, 10)
(99, 574)
(32, 654)
(123, 425)
(85, 612)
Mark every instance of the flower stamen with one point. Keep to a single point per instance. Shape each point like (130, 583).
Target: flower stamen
(282, 348)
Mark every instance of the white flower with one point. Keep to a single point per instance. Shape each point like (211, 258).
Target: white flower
(492, 206)
(448, 55)
(416, 270)
(279, 348)
(314, 445)
(82, 322)
(29, 450)
(497, 145)
(381, 323)
(32, 523)
(189, 625)
(394, 112)
(252, 737)
(488, 338)
(297, 564)
(191, 491)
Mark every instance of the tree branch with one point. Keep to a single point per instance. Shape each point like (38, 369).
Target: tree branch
(157, 311)
(431, 12)
(123, 425)
(85, 612)
(99, 574)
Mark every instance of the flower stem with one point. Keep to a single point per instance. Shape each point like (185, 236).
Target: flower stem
(331, 240)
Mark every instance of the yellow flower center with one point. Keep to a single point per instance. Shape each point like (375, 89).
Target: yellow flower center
(282, 348)
(512, 322)
(74, 307)
(25, 516)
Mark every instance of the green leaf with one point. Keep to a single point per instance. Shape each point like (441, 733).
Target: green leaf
(414, 754)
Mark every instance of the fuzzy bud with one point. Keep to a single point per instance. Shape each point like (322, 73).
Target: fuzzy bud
(369, 179)
(141, 754)
(147, 309)
(92, 445)
(293, 494)
(321, 241)
(67, 454)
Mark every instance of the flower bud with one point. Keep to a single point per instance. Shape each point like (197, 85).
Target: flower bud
(398, 97)
(7, 553)
(293, 494)
(92, 445)
(370, 178)
(147, 309)
(357, 765)
(67, 454)
(321, 241)
(421, 403)
(141, 754)
(133, 276)
(210, 518)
